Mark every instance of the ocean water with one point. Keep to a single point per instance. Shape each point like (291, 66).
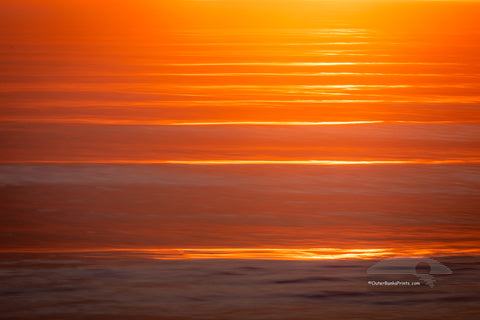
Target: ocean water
(99, 285)
(54, 216)
(407, 208)
(146, 146)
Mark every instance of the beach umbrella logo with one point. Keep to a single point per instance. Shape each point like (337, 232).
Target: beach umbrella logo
(422, 268)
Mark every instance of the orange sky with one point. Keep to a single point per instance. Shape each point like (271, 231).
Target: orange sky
(256, 85)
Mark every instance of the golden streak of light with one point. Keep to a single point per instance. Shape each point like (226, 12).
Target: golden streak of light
(333, 86)
(315, 162)
(268, 44)
(343, 86)
(257, 162)
(309, 74)
(280, 254)
(303, 64)
(273, 123)
(223, 123)
(430, 100)
(240, 102)
(307, 254)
